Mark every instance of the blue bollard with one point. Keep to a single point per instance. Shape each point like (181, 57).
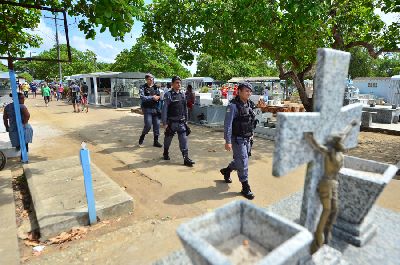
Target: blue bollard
(87, 175)
(17, 110)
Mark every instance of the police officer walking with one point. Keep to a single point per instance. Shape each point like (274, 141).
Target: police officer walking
(150, 97)
(238, 133)
(174, 118)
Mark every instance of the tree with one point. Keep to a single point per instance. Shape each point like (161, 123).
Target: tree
(115, 15)
(14, 21)
(84, 62)
(226, 69)
(28, 78)
(156, 57)
(388, 65)
(287, 31)
(361, 64)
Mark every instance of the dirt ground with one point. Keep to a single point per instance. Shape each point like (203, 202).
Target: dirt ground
(165, 194)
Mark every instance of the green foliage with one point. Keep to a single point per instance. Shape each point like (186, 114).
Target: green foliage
(83, 62)
(388, 65)
(224, 70)
(28, 78)
(14, 37)
(204, 89)
(3, 68)
(155, 57)
(287, 31)
(115, 15)
(362, 65)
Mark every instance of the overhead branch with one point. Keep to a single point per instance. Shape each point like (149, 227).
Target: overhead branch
(370, 48)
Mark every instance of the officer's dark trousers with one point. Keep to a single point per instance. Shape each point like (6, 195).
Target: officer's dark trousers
(177, 127)
(241, 148)
(151, 118)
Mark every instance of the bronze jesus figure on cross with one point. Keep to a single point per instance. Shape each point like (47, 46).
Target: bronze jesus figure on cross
(332, 153)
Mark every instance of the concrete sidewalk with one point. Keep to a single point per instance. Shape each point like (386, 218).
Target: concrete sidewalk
(58, 194)
(9, 251)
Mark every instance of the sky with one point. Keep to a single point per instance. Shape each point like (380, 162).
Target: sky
(104, 45)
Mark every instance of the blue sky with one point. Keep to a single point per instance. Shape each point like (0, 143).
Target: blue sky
(105, 45)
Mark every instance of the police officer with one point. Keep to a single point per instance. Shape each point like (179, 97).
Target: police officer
(174, 118)
(150, 97)
(238, 133)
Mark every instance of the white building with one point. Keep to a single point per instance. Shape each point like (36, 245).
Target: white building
(386, 88)
(197, 82)
(112, 88)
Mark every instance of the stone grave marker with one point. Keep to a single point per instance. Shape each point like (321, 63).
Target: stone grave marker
(329, 117)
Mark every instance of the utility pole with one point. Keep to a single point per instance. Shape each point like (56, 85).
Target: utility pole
(58, 49)
(58, 45)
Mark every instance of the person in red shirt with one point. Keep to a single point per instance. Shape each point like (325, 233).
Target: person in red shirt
(235, 90)
(224, 92)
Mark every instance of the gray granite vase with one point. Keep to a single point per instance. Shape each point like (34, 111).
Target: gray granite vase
(360, 184)
(286, 242)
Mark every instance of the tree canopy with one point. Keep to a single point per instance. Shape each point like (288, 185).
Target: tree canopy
(363, 65)
(84, 62)
(28, 78)
(155, 57)
(225, 69)
(115, 15)
(287, 31)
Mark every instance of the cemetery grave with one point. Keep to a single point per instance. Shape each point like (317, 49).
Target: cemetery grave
(202, 235)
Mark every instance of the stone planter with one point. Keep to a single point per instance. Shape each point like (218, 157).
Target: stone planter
(360, 183)
(206, 238)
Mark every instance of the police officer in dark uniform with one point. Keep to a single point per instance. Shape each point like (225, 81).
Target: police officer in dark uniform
(150, 97)
(174, 118)
(238, 132)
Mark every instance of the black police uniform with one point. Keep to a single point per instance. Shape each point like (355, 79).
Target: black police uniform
(238, 131)
(175, 115)
(151, 112)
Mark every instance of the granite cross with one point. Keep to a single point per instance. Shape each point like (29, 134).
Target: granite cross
(329, 117)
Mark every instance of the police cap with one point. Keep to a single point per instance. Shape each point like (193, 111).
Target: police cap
(174, 78)
(245, 84)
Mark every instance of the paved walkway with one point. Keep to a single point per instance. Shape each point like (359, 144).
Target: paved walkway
(9, 252)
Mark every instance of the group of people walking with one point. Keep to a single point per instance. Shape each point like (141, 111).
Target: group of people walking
(173, 112)
(79, 96)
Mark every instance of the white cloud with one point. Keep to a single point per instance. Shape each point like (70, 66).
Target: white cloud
(80, 43)
(105, 59)
(104, 45)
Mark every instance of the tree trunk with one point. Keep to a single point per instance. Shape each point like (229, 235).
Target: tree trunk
(299, 82)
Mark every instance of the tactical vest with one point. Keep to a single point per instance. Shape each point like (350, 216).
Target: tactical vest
(150, 91)
(243, 124)
(176, 109)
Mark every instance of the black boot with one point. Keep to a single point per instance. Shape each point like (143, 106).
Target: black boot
(141, 139)
(227, 174)
(188, 162)
(156, 143)
(246, 191)
(166, 155)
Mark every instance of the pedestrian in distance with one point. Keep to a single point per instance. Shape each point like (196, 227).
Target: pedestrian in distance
(84, 97)
(75, 96)
(46, 93)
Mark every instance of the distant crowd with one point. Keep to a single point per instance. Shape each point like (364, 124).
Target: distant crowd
(53, 90)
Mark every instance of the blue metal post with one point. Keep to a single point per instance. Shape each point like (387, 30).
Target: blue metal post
(17, 110)
(87, 175)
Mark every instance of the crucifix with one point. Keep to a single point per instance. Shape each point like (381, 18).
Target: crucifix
(292, 145)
